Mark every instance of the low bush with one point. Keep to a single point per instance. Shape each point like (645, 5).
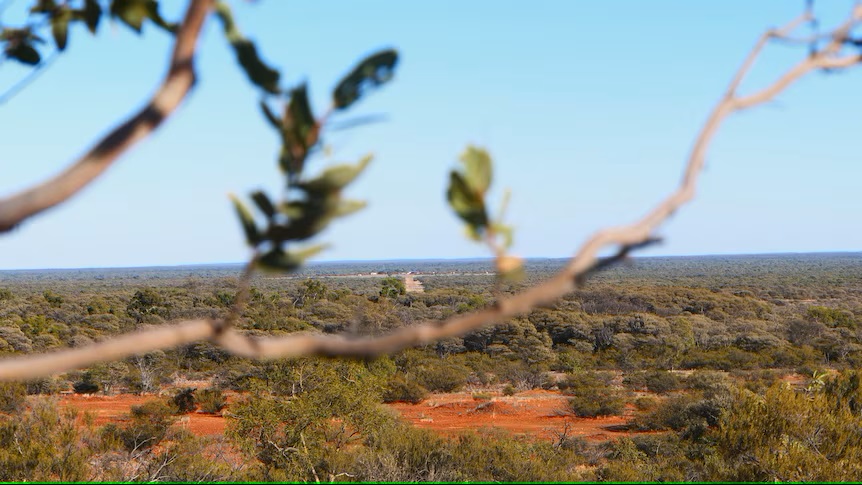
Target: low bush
(184, 401)
(591, 403)
(13, 396)
(403, 390)
(148, 425)
(662, 382)
(211, 400)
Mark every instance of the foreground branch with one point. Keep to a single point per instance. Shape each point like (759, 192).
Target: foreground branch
(584, 263)
(176, 85)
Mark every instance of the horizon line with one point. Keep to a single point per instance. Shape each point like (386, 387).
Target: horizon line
(486, 258)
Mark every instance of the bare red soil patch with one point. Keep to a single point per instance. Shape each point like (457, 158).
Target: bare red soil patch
(538, 413)
(114, 409)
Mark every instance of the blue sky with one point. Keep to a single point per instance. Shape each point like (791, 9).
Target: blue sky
(588, 108)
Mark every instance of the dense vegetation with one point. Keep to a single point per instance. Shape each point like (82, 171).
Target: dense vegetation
(697, 346)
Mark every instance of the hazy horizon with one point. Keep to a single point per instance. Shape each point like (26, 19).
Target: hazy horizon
(423, 260)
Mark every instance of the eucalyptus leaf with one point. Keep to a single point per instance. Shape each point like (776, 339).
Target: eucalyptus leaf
(25, 53)
(347, 207)
(91, 14)
(371, 72)
(258, 73)
(249, 226)
(130, 12)
(277, 259)
(466, 203)
(156, 17)
(60, 26)
(477, 165)
(337, 177)
(270, 116)
(263, 203)
(299, 131)
(299, 117)
(134, 12)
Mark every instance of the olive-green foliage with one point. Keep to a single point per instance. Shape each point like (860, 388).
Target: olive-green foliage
(148, 425)
(434, 373)
(832, 317)
(211, 400)
(186, 458)
(646, 403)
(491, 455)
(660, 459)
(335, 406)
(392, 286)
(788, 435)
(592, 394)
(42, 444)
(147, 302)
(591, 403)
(735, 331)
(662, 382)
(399, 388)
(184, 401)
(13, 397)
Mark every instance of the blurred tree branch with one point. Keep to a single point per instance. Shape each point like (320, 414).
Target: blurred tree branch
(178, 82)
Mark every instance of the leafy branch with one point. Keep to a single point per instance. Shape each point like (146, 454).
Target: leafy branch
(467, 192)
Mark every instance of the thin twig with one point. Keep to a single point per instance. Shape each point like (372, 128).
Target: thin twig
(176, 85)
(585, 262)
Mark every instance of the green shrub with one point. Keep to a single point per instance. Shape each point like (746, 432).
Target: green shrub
(403, 390)
(586, 380)
(85, 386)
(441, 376)
(45, 385)
(662, 382)
(646, 403)
(833, 317)
(147, 427)
(591, 403)
(211, 400)
(708, 381)
(184, 401)
(509, 390)
(635, 381)
(41, 444)
(13, 397)
(688, 413)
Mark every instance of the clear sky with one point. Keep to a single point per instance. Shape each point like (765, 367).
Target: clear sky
(588, 108)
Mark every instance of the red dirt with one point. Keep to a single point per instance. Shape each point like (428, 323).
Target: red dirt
(537, 413)
(113, 409)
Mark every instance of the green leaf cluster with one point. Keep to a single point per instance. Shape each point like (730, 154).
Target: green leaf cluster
(20, 43)
(258, 72)
(310, 203)
(467, 195)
